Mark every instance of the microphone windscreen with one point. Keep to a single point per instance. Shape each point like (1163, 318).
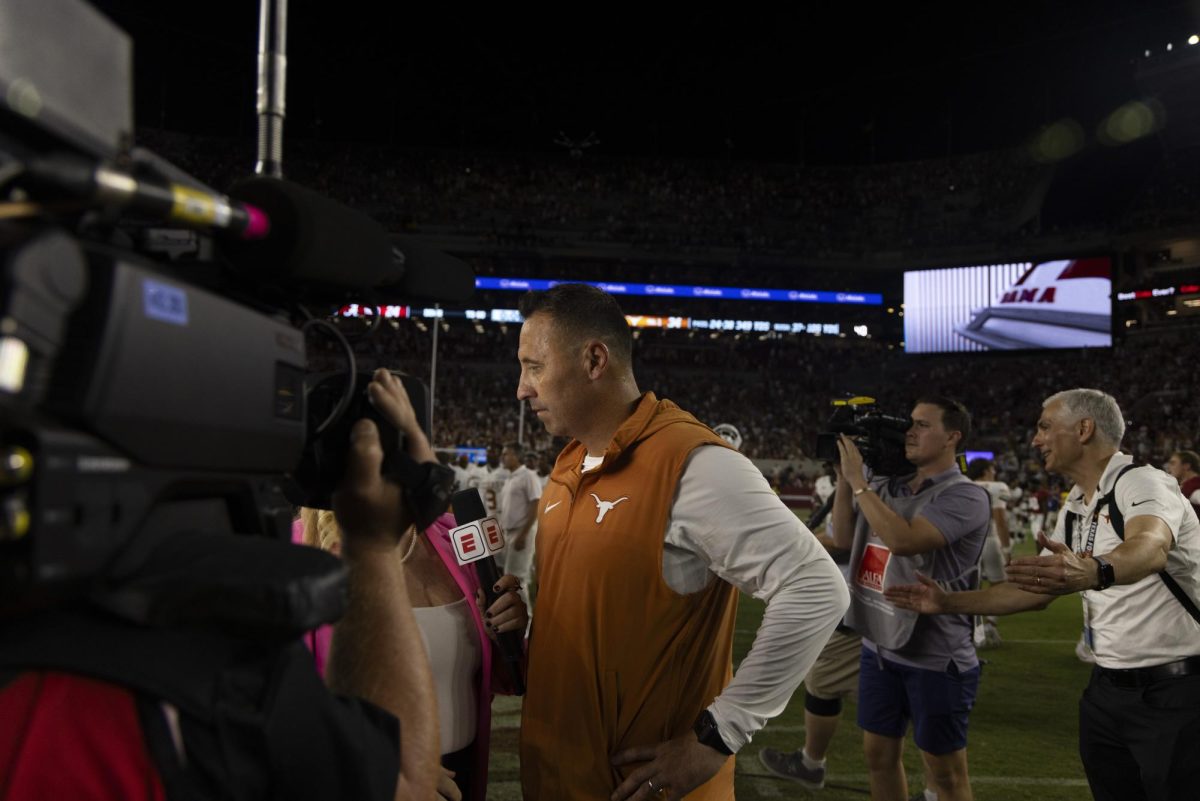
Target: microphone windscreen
(431, 274)
(313, 239)
(467, 506)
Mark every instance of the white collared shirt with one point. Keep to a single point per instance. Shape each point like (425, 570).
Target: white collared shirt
(726, 522)
(1142, 624)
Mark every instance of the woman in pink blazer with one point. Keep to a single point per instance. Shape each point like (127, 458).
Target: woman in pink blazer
(459, 636)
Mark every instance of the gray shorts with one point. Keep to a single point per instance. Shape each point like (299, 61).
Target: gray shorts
(835, 674)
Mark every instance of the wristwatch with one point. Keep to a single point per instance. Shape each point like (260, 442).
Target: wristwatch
(1107, 576)
(705, 728)
(861, 490)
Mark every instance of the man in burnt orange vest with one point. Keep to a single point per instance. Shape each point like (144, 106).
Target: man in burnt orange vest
(648, 527)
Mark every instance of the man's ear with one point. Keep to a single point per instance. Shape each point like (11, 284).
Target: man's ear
(596, 356)
(1087, 429)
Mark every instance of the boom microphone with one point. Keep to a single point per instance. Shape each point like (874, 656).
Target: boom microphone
(317, 240)
(475, 539)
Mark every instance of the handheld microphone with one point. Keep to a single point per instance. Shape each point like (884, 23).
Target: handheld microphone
(149, 195)
(475, 539)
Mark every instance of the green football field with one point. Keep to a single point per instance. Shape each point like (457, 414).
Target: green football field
(1022, 738)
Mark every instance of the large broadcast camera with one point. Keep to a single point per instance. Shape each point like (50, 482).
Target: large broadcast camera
(879, 436)
(144, 398)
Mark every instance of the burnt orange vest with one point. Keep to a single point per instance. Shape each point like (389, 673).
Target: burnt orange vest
(617, 658)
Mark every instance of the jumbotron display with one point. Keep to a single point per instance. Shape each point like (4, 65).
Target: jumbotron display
(1066, 303)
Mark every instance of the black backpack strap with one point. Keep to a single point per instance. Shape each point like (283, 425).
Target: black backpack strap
(1110, 500)
(1180, 595)
(1069, 528)
(1118, 524)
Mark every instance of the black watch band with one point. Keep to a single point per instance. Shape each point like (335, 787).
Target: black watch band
(1106, 575)
(706, 731)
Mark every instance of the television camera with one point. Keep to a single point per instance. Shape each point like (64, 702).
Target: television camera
(879, 436)
(146, 399)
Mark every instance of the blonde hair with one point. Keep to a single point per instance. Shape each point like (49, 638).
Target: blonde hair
(321, 529)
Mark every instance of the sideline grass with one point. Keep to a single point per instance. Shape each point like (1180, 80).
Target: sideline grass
(1023, 731)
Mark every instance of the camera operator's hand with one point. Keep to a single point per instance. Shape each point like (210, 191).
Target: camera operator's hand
(377, 652)
(447, 790)
(387, 394)
(369, 507)
(851, 463)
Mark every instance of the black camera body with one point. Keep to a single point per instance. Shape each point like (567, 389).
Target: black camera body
(336, 401)
(143, 398)
(879, 436)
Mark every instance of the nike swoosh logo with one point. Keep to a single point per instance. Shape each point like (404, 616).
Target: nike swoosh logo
(551, 506)
(1141, 501)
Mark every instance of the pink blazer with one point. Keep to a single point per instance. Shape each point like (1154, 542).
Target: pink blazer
(464, 576)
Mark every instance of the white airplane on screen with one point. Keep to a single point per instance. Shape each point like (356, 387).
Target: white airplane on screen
(1055, 304)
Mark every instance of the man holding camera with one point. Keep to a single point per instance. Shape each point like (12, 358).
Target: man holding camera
(75, 727)
(648, 527)
(1130, 543)
(919, 669)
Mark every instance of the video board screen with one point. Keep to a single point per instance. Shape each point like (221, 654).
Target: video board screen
(1064, 303)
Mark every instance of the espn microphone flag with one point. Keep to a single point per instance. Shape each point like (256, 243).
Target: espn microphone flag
(492, 534)
(475, 539)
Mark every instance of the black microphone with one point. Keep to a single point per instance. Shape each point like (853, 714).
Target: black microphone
(468, 510)
(317, 240)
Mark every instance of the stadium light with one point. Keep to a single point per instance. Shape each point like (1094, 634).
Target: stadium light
(1147, 54)
(1169, 47)
(1058, 141)
(1193, 39)
(1130, 122)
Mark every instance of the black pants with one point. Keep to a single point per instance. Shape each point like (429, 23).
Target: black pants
(1141, 743)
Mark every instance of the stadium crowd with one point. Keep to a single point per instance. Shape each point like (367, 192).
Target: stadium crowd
(657, 204)
(778, 389)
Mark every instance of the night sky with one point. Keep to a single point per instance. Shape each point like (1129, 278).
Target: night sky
(850, 83)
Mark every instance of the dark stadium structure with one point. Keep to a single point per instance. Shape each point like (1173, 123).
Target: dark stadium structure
(744, 152)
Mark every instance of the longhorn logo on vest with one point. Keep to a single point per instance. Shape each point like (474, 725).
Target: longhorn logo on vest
(604, 507)
(872, 567)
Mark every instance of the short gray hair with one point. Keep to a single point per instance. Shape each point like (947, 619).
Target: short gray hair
(1099, 407)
